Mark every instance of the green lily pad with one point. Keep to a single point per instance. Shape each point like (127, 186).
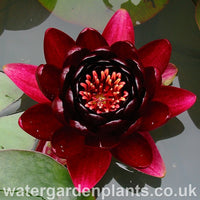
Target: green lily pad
(20, 14)
(12, 136)
(197, 13)
(9, 92)
(38, 174)
(97, 13)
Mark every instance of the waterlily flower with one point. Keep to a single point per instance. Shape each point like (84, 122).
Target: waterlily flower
(99, 97)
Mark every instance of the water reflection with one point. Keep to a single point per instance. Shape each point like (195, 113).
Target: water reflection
(177, 23)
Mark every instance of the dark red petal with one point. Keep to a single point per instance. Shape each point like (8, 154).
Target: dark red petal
(88, 167)
(67, 142)
(74, 57)
(56, 46)
(48, 78)
(156, 53)
(178, 100)
(119, 28)
(39, 121)
(157, 166)
(124, 50)
(155, 116)
(46, 148)
(91, 39)
(23, 76)
(81, 128)
(105, 142)
(133, 128)
(152, 80)
(113, 128)
(68, 104)
(57, 107)
(134, 150)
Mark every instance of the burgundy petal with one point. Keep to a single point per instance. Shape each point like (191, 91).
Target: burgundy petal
(124, 50)
(74, 57)
(113, 128)
(133, 128)
(105, 142)
(56, 46)
(23, 75)
(119, 28)
(57, 107)
(155, 116)
(178, 100)
(134, 150)
(157, 166)
(67, 142)
(156, 53)
(169, 74)
(88, 167)
(91, 39)
(152, 80)
(39, 121)
(48, 78)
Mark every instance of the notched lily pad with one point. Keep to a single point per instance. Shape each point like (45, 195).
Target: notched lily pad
(145, 10)
(28, 170)
(97, 13)
(9, 92)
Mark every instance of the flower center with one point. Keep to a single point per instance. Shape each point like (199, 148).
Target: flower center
(103, 93)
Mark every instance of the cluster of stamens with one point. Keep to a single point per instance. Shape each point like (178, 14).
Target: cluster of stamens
(103, 93)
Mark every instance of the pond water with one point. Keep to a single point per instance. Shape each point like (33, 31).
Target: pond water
(178, 141)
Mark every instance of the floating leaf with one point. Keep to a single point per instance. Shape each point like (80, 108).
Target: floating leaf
(9, 92)
(35, 171)
(197, 13)
(145, 10)
(20, 15)
(12, 136)
(96, 13)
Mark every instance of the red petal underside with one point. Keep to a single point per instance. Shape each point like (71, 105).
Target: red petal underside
(169, 74)
(46, 148)
(88, 167)
(91, 39)
(39, 121)
(119, 28)
(67, 142)
(48, 78)
(178, 100)
(56, 46)
(156, 54)
(155, 116)
(124, 50)
(23, 75)
(157, 166)
(134, 150)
